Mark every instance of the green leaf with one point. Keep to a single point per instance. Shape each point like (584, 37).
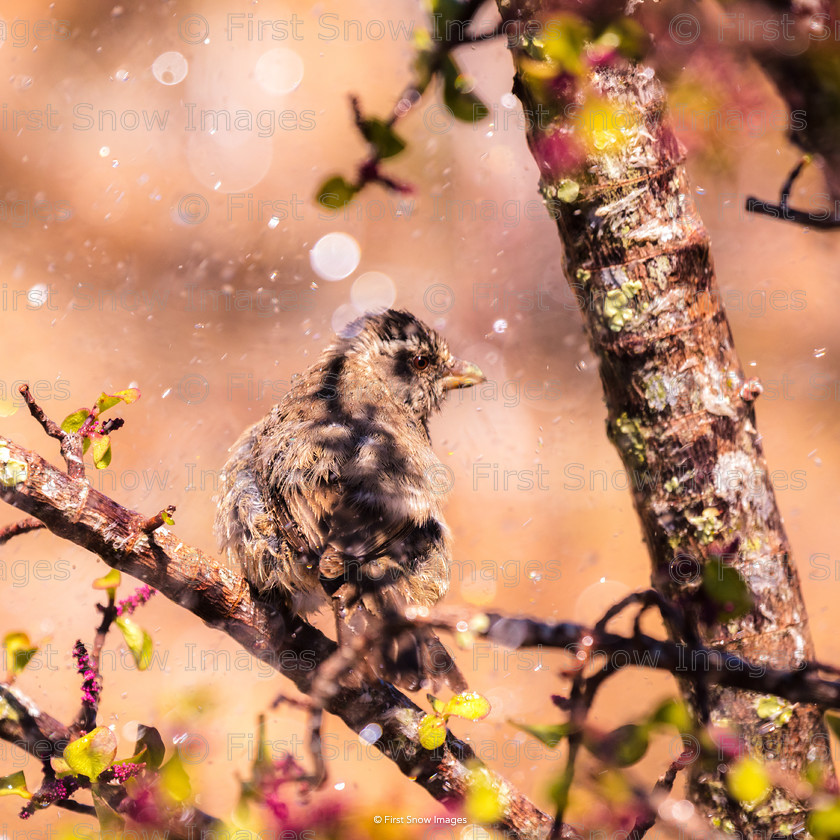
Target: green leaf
(432, 732)
(14, 785)
(101, 451)
(551, 734)
(675, 713)
(725, 586)
(470, 705)
(19, 651)
(174, 779)
(336, 192)
(148, 738)
(73, 422)
(621, 747)
(111, 823)
(138, 641)
(748, 781)
(108, 581)
(92, 753)
(382, 137)
(465, 106)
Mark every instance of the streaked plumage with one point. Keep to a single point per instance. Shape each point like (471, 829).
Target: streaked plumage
(332, 494)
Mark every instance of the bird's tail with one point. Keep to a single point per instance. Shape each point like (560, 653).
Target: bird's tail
(414, 658)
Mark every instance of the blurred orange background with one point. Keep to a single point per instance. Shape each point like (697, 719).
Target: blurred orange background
(177, 259)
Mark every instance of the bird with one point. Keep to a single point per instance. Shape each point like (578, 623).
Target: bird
(336, 497)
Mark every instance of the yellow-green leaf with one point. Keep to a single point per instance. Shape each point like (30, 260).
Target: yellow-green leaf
(432, 732)
(101, 451)
(138, 641)
(824, 823)
(128, 395)
(674, 712)
(484, 803)
(470, 705)
(105, 402)
(748, 781)
(174, 779)
(438, 706)
(19, 651)
(73, 422)
(92, 753)
(14, 785)
(109, 581)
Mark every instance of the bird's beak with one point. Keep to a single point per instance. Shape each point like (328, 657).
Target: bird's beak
(462, 374)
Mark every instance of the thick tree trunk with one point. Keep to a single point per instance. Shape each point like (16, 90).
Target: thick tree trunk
(679, 409)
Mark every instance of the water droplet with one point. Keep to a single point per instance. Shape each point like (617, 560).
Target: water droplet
(343, 316)
(371, 733)
(279, 71)
(508, 100)
(581, 365)
(500, 326)
(700, 191)
(170, 68)
(104, 151)
(373, 291)
(335, 256)
(38, 295)
(273, 222)
(339, 785)
(819, 352)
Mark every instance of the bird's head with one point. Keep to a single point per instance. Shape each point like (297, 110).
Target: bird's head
(411, 359)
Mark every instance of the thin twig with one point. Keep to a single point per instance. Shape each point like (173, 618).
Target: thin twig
(71, 444)
(23, 526)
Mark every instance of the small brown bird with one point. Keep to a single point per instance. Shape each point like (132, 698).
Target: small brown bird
(335, 497)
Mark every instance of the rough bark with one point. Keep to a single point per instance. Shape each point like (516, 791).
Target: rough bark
(680, 410)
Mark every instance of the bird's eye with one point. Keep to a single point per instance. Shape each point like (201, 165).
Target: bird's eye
(420, 362)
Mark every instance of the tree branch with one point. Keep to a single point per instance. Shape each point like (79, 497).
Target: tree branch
(75, 511)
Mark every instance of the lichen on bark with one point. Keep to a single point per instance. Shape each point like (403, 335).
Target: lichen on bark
(680, 409)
